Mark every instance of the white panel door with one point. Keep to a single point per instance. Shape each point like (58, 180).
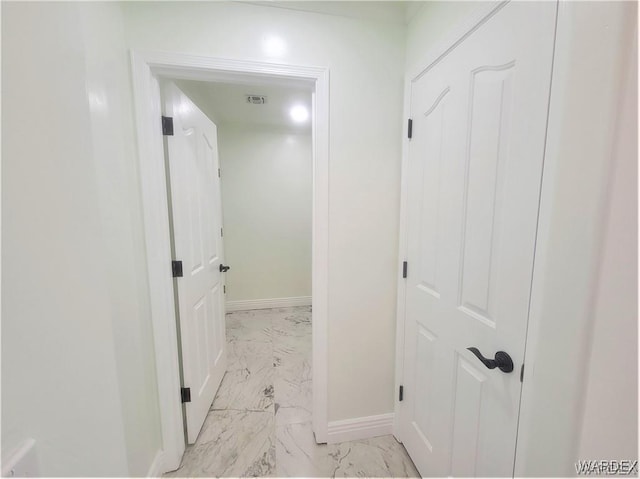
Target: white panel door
(475, 165)
(196, 215)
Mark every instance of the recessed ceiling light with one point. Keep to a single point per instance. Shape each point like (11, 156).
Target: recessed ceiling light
(274, 46)
(299, 113)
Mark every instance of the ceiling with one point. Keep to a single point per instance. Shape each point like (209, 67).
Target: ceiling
(380, 11)
(226, 103)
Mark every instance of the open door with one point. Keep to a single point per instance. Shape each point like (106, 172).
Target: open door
(196, 219)
(474, 176)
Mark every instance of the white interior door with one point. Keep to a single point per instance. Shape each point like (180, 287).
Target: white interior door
(475, 165)
(196, 214)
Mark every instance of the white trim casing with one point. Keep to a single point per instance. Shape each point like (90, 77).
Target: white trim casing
(402, 256)
(320, 256)
(579, 161)
(155, 470)
(146, 68)
(248, 304)
(146, 96)
(455, 35)
(360, 428)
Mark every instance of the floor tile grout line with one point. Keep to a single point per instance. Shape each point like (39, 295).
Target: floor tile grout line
(315, 456)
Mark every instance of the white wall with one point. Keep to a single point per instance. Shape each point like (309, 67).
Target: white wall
(59, 381)
(266, 200)
(115, 163)
(431, 24)
(77, 363)
(199, 97)
(610, 417)
(366, 62)
(580, 384)
(593, 49)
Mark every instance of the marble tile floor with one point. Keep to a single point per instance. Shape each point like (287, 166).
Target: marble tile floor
(259, 424)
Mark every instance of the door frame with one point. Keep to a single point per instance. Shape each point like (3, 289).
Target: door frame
(580, 139)
(147, 68)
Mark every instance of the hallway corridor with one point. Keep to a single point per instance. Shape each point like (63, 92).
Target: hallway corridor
(260, 422)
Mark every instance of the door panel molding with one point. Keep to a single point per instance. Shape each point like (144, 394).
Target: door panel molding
(147, 67)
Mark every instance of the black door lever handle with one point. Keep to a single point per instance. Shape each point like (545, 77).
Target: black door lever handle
(502, 360)
(223, 268)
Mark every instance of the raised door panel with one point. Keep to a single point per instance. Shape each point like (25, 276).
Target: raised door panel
(470, 385)
(486, 160)
(425, 384)
(192, 190)
(201, 324)
(430, 157)
(217, 330)
(213, 224)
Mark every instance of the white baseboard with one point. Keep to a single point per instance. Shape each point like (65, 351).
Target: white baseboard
(156, 468)
(268, 303)
(359, 428)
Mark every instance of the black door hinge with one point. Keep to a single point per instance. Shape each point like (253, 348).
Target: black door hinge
(404, 269)
(218, 172)
(221, 232)
(224, 289)
(410, 128)
(522, 372)
(185, 394)
(167, 126)
(176, 269)
(401, 393)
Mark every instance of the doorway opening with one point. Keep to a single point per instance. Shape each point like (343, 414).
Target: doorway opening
(149, 70)
(239, 170)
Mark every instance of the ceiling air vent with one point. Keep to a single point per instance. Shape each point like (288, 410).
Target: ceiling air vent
(256, 99)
